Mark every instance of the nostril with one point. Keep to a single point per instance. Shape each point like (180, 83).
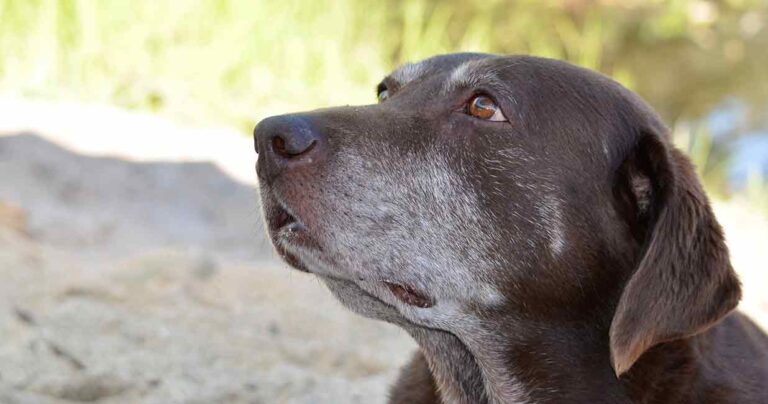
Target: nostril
(278, 145)
(289, 138)
(292, 149)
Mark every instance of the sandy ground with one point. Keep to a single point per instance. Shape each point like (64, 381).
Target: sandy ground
(124, 279)
(128, 280)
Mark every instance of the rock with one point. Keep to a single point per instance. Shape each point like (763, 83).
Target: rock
(13, 217)
(86, 388)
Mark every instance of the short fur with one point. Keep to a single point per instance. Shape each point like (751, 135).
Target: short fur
(567, 255)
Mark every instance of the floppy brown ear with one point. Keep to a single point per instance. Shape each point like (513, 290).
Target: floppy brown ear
(684, 282)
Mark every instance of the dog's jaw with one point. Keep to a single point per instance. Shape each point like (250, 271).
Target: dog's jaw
(466, 366)
(453, 368)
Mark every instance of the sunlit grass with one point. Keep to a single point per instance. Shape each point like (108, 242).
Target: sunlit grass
(233, 62)
(756, 193)
(698, 144)
(221, 61)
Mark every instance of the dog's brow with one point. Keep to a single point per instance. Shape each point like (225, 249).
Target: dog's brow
(408, 72)
(474, 73)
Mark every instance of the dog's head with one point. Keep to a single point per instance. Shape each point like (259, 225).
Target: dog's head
(484, 187)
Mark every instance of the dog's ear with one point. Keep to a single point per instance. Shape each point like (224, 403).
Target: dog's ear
(684, 282)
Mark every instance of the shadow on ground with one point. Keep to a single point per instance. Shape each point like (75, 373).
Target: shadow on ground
(153, 282)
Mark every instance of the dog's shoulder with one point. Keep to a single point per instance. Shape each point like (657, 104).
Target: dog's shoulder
(736, 352)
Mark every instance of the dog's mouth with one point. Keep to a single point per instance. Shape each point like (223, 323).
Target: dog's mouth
(287, 229)
(409, 295)
(285, 221)
(283, 225)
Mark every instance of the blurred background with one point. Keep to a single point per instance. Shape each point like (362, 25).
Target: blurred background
(133, 264)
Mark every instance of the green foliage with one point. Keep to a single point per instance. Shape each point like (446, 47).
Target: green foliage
(757, 191)
(233, 62)
(697, 142)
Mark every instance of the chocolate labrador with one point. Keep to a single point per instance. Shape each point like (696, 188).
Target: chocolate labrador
(529, 223)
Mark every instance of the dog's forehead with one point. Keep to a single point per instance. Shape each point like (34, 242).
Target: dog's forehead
(435, 65)
(539, 95)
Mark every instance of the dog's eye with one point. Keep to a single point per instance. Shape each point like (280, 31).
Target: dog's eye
(483, 107)
(382, 93)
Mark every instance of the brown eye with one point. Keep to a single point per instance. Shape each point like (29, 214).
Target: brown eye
(382, 92)
(383, 95)
(483, 107)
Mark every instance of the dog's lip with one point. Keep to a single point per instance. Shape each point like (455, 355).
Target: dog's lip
(291, 259)
(285, 225)
(282, 218)
(409, 295)
(403, 292)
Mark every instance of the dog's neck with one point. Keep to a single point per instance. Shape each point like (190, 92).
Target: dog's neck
(516, 364)
(508, 359)
(529, 363)
(453, 368)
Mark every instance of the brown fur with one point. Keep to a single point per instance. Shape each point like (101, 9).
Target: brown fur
(610, 278)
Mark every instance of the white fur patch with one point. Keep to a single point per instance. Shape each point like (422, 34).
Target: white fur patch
(475, 73)
(465, 75)
(552, 214)
(408, 72)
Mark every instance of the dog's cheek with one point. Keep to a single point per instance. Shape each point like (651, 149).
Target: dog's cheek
(410, 217)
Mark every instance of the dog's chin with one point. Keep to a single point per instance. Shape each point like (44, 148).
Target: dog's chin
(287, 234)
(356, 299)
(296, 246)
(309, 259)
(300, 251)
(282, 241)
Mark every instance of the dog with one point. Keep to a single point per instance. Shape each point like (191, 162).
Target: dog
(529, 223)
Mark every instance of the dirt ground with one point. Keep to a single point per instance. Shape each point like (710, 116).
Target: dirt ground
(128, 280)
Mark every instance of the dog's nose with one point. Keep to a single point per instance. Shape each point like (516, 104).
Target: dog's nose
(287, 141)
